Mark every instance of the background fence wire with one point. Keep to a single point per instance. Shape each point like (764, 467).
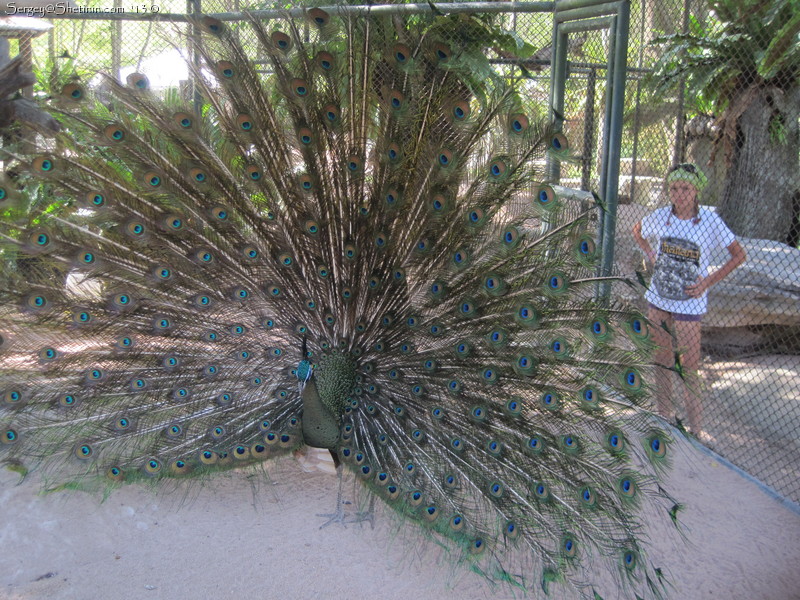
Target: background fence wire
(751, 335)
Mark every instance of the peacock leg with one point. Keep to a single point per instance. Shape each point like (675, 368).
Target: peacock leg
(366, 515)
(338, 515)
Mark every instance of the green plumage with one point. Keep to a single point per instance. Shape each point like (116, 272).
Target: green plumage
(377, 193)
(320, 424)
(335, 379)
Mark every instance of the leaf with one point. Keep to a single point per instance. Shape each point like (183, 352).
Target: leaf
(751, 36)
(777, 130)
(511, 42)
(435, 10)
(782, 50)
(775, 9)
(526, 74)
(696, 27)
(480, 69)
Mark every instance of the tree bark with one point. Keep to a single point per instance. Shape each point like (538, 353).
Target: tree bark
(764, 176)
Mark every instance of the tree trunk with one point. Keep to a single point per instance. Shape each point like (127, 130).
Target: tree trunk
(700, 141)
(763, 180)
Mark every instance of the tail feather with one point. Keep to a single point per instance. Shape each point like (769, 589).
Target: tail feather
(369, 197)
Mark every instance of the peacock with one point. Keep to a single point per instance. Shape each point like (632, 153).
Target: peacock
(345, 239)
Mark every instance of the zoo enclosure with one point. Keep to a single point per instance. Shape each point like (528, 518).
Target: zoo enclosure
(593, 63)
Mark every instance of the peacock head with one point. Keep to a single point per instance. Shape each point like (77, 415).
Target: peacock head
(304, 371)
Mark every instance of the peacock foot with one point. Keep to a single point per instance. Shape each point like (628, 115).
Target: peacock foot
(361, 517)
(339, 516)
(366, 515)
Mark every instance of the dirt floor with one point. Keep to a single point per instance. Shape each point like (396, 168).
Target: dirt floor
(242, 536)
(752, 408)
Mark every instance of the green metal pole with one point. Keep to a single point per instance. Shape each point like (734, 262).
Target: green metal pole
(587, 12)
(562, 5)
(603, 173)
(614, 144)
(557, 90)
(588, 132)
(594, 24)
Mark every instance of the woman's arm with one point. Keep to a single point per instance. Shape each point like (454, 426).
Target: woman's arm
(643, 244)
(738, 256)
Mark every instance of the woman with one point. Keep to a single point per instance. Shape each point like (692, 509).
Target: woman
(678, 294)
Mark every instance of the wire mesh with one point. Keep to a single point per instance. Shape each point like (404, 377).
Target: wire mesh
(706, 100)
(733, 111)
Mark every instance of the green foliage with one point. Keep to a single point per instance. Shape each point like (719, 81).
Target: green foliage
(750, 43)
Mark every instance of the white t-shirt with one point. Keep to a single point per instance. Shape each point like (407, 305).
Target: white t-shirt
(683, 250)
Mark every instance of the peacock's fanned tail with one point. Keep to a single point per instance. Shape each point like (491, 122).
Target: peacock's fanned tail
(366, 190)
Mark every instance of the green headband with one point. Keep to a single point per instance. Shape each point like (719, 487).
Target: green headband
(690, 173)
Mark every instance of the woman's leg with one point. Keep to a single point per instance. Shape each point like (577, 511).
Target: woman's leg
(688, 333)
(663, 356)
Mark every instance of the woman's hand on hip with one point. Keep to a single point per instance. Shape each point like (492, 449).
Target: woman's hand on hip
(698, 288)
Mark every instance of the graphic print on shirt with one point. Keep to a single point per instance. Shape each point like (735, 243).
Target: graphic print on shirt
(678, 265)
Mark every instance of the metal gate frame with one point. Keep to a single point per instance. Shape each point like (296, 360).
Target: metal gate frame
(574, 16)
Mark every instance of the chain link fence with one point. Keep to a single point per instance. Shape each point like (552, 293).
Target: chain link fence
(707, 84)
(710, 102)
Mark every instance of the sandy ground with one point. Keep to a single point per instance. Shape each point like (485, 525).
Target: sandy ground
(243, 537)
(753, 411)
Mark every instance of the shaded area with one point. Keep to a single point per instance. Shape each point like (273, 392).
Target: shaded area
(752, 409)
